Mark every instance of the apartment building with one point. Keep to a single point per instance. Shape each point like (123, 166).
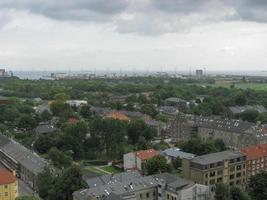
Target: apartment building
(24, 162)
(227, 167)
(256, 159)
(133, 186)
(8, 185)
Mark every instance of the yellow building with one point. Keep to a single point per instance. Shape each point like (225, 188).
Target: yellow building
(8, 185)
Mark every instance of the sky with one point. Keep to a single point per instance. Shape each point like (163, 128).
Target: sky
(133, 34)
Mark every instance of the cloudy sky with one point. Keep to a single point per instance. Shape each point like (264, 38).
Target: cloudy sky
(133, 34)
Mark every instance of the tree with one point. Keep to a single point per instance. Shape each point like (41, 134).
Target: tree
(60, 159)
(258, 186)
(60, 108)
(61, 97)
(240, 99)
(43, 143)
(222, 192)
(66, 184)
(27, 122)
(45, 182)
(177, 163)
(149, 109)
(85, 111)
(236, 193)
(263, 118)
(157, 164)
(250, 115)
(45, 116)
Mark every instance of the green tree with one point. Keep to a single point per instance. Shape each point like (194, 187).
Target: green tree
(250, 115)
(85, 111)
(26, 198)
(236, 193)
(27, 122)
(60, 159)
(45, 182)
(263, 118)
(157, 164)
(258, 186)
(43, 143)
(222, 192)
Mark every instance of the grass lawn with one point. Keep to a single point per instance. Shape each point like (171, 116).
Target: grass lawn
(92, 169)
(253, 86)
(111, 169)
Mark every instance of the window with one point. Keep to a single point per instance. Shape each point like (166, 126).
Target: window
(6, 186)
(232, 176)
(154, 193)
(238, 175)
(147, 195)
(219, 180)
(141, 196)
(219, 172)
(232, 169)
(6, 194)
(238, 167)
(212, 174)
(212, 182)
(168, 196)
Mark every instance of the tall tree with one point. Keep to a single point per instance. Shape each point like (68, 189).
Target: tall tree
(258, 186)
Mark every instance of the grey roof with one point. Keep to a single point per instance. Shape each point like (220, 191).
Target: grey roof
(172, 181)
(106, 179)
(240, 109)
(236, 126)
(216, 157)
(45, 128)
(22, 155)
(174, 99)
(113, 196)
(100, 110)
(168, 109)
(175, 153)
(119, 188)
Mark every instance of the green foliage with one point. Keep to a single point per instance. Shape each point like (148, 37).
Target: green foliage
(250, 115)
(157, 164)
(60, 159)
(61, 187)
(199, 147)
(237, 193)
(85, 111)
(222, 192)
(258, 186)
(60, 108)
(263, 118)
(27, 122)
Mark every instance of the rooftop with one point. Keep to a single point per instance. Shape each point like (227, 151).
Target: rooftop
(21, 154)
(146, 154)
(6, 177)
(255, 152)
(176, 152)
(117, 115)
(240, 109)
(216, 157)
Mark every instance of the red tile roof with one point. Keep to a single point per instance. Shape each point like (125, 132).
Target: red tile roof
(117, 115)
(255, 152)
(6, 177)
(146, 154)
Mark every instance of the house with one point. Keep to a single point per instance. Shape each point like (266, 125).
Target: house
(24, 162)
(256, 159)
(173, 153)
(4, 100)
(45, 128)
(158, 187)
(137, 160)
(168, 110)
(234, 111)
(101, 111)
(157, 125)
(8, 185)
(42, 107)
(76, 103)
(117, 115)
(176, 102)
(228, 167)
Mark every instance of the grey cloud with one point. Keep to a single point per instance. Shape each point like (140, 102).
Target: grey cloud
(70, 9)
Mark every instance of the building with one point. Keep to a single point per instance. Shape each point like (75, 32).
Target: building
(174, 188)
(137, 160)
(4, 100)
(24, 162)
(76, 103)
(235, 111)
(45, 128)
(173, 153)
(157, 125)
(8, 185)
(228, 167)
(176, 102)
(117, 115)
(235, 134)
(256, 159)
(133, 186)
(199, 72)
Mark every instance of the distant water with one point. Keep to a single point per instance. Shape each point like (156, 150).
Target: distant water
(35, 75)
